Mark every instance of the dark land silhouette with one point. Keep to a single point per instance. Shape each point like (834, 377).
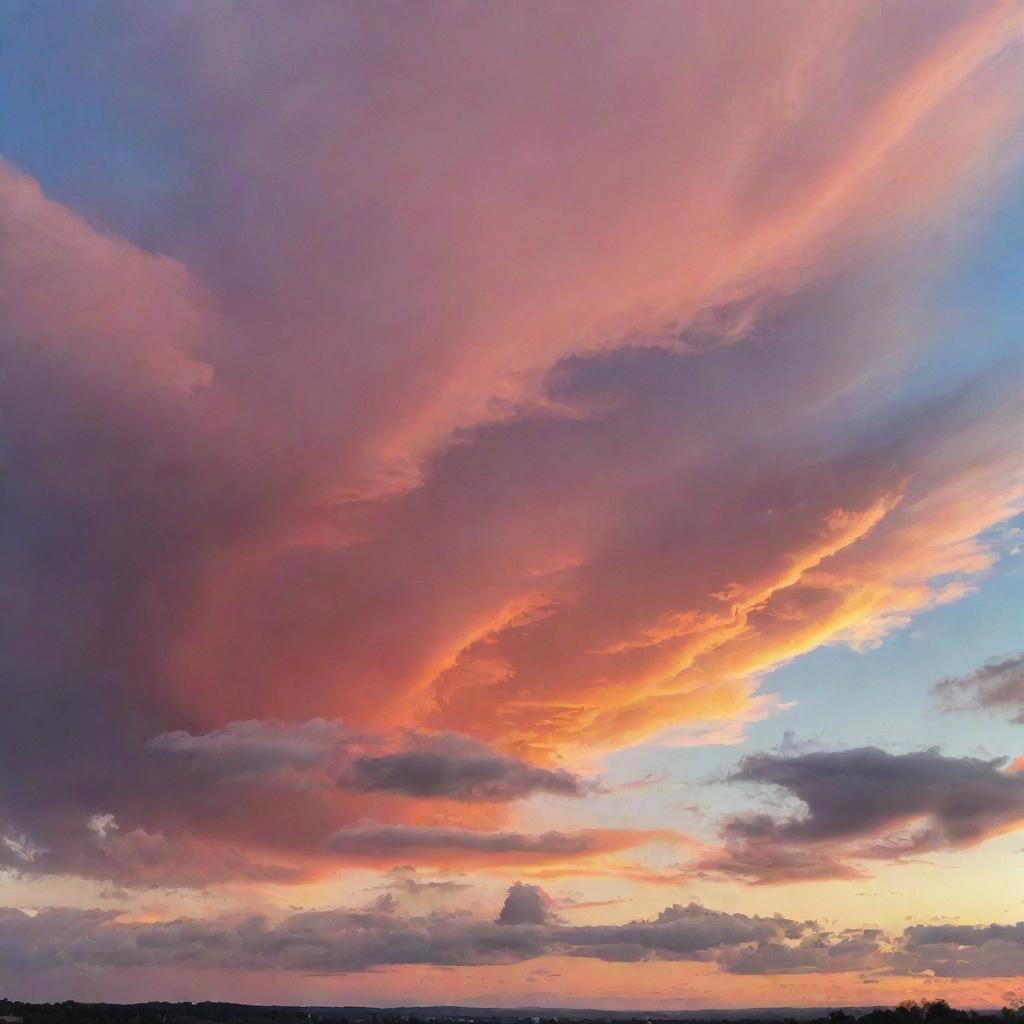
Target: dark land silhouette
(936, 1011)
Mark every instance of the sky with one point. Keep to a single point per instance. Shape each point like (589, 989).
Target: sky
(512, 504)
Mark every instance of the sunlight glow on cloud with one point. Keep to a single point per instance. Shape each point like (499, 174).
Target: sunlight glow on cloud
(479, 392)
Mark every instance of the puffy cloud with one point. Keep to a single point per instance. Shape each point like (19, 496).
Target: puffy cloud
(526, 904)
(690, 932)
(997, 686)
(817, 953)
(337, 941)
(346, 940)
(447, 765)
(964, 951)
(865, 803)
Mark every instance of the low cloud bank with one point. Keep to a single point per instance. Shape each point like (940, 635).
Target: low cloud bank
(343, 940)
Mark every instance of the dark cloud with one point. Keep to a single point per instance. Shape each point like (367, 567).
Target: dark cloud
(865, 804)
(342, 940)
(852, 793)
(691, 932)
(442, 765)
(393, 841)
(346, 940)
(818, 953)
(336, 941)
(526, 904)
(997, 686)
(455, 767)
(963, 951)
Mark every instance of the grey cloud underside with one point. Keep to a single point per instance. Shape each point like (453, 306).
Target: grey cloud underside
(964, 951)
(345, 940)
(147, 859)
(852, 793)
(259, 764)
(432, 773)
(997, 686)
(381, 840)
(526, 904)
(864, 804)
(338, 941)
(442, 765)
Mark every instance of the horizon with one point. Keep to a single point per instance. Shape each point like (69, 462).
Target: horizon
(512, 503)
(803, 1013)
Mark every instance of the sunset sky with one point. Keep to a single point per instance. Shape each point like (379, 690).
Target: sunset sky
(512, 503)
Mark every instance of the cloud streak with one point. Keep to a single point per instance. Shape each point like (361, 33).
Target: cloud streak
(440, 844)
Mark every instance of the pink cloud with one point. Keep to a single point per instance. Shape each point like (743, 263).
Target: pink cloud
(537, 380)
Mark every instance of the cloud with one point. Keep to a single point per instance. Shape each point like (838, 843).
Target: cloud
(761, 862)
(865, 803)
(144, 859)
(407, 889)
(850, 793)
(526, 904)
(964, 951)
(997, 686)
(257, 749)
(435, 843)
(342, 941)
(822, 953)
(447, 766)
(300, 429)
(336, 941)
(305, 764)
(454, 767)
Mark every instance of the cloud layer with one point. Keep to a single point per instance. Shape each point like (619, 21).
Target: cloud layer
(508, 389)
(340, 941)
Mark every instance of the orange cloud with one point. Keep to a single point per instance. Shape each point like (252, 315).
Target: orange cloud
(546, 387)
